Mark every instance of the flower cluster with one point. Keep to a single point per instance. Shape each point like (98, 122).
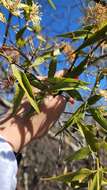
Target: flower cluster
(96, 15)
(17, 8)
(35, 14)
(12, 6)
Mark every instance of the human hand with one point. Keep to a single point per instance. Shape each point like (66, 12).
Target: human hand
(51, 108)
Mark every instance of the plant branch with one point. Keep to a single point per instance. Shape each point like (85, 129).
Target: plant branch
(7, 27)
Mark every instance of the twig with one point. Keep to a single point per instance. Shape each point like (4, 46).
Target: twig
(4, 103)
(7, 27)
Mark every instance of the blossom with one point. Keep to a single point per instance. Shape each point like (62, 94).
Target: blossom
(16, 7)
(12, 6)
(35, 14)
(96, 15)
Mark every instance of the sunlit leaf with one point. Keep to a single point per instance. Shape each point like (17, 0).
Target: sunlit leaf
(79, 175)
(19, 93)
(52, 4)
(2, 17)
(93, 185)
(75, 118)
(79, 34)
(104, 182)
(25, 84)
(92, 142)
(94, 38)
(80, 154)
(40, 60)
(57, 84)
(98, 116)
(20, 33)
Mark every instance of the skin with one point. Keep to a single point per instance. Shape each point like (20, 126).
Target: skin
(18, 131)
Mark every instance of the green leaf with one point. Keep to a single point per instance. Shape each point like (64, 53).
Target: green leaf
(5, 103)
(104, 182)
(25, 84)
(90, 137)
(20, 33)
(52, 67)
(77, 185)
(79, 175)
(52, 4)
(79, 34)
(80, 154)
(40, 60)
(21, 42)
(93, 185)
(29, 2)
(57, 84)
(93, 99)
(96, 182)
(2, 18)
(34, 82)
(19, 93)
(76, 71)
(75, 94)
(76, 117)
(19, 39)
(98, 116)
(94, 38)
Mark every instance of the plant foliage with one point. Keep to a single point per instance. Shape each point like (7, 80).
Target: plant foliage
(24, 59)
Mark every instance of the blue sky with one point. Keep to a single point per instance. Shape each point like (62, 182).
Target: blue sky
(67, 17)
(64, 19)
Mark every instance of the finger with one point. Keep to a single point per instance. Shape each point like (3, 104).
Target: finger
(41, 77)
(48, 98)
(61, 73)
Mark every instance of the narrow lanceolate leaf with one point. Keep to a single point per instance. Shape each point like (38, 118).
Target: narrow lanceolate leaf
(34, 82)
(94, 38)
(19, 93)
(57, 84)
(2, 18)
(76, 71)
(41, 59)
(96, 182)
(90, 137)
(20, 33)
(19, 39)
(93, 99)
(75, 94)
(104, 182)
(74, 119)
(80, 154)
(79, 175)
(52, 4)
(29, 2)
(80, 34)
(52, 67)
(98, 116)
(93, 185)
(25, 84)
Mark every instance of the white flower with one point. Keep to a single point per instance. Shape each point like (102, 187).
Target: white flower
(17, 8)
(35, 14)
